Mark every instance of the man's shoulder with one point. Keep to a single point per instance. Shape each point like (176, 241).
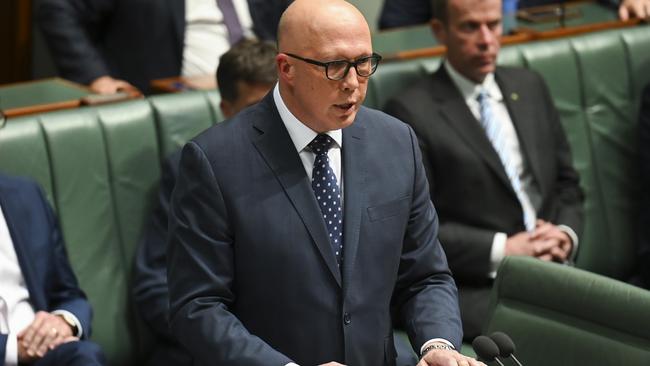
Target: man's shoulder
(378, 121)
(519, 74)
(17, 183)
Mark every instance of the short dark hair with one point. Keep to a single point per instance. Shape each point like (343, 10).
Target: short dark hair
(439, 10)
(250, 61)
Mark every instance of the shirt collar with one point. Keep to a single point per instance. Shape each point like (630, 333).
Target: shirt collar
(469, 89)
(300, 134)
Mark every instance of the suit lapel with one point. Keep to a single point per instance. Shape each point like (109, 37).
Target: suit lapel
(455, 112)
(277, 149)
(13, 211)
(354, 180)
(524, 124)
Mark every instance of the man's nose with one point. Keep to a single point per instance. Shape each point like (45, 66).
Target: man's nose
(351, 80)
(486, 36)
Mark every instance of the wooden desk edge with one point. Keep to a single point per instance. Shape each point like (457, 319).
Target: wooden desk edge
(41, 108)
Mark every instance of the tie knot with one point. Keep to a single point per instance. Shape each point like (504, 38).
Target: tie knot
(321, 144)
(482, 96)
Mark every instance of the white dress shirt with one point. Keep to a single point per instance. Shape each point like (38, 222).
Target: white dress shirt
(16, 312)
(301, 136)
(470, 91)
(206, 35)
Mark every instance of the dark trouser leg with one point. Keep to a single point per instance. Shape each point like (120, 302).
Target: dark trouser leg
(474, 302)
(80, 353)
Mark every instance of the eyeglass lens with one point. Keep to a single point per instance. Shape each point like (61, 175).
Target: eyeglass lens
(337, 70)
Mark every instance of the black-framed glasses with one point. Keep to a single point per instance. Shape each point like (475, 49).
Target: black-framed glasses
(338, 69)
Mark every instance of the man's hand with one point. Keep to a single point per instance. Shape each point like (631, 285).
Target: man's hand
(45, 333)
(556, 243)
(520, 244)
(443, 357)
(632, 8)
(108, 85)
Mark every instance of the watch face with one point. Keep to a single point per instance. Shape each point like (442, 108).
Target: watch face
(68, 319)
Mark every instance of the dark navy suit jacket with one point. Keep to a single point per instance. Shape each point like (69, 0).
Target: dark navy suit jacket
(469, 185)
(41, 253)
(252, 276)
(134, 40)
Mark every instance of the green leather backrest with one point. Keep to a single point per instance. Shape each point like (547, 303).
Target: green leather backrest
(182, 116)
(595, 81)
(563, 316)
(98, 166)
(100, 169)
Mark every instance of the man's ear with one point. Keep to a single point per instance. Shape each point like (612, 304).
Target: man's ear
(285, 68)
(439, 30)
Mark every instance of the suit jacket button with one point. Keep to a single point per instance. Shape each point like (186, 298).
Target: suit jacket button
(347, 319)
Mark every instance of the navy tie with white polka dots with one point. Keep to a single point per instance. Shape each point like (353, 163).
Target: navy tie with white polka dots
(328, 194)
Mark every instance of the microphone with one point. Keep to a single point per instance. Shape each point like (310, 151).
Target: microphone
(486, 349)
(506, 346)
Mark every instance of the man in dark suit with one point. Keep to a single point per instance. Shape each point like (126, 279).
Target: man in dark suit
(44, 315)
(402, 13)
(302, 225)
(497, 158)
(245, 75)
(113, 44)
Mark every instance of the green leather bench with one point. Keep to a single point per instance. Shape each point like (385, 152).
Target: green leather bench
(563, 316)
(595, 80)
(100, 165)
(100, 169)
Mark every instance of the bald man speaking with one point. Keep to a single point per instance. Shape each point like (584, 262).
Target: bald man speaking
(302, 228)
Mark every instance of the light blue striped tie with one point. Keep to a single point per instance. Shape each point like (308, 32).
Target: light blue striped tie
(494, 130)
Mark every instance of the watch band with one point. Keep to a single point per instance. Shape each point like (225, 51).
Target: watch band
(436, 346)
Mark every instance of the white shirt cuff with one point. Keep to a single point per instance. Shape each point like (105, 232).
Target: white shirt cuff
(11, 350)
(497, 253)
(574, 239)
(291, 364)
(80, 330)
(435, 340)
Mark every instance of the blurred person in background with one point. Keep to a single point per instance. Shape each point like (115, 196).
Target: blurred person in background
(112, 45)
(45, 317)
(497, 158)
(402, 13)
(246, 73)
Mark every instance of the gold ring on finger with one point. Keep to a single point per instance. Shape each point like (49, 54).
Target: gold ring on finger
(54, 331)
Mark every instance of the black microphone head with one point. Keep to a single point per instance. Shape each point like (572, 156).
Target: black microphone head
(485, 348)
(505, 343)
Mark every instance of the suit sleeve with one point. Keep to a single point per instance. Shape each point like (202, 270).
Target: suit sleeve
(64, 292)
(72, 30)
(3, 348)
(467, 247)
(568, 194)
(150, 289)
(201, 272)
(425, 295)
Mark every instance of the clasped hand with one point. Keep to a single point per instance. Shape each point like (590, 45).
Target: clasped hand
(45, 333)
(547, 242)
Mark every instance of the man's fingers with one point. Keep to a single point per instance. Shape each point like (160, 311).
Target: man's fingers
(541, 230)
(543, 246)
(623, 13)
(50, 337)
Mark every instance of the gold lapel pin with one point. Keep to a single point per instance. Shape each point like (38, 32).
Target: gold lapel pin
(514, 96)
